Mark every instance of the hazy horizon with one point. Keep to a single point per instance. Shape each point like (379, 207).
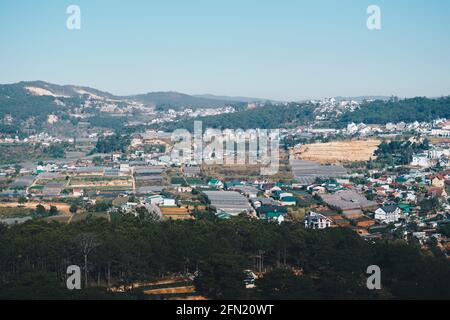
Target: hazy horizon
(217, 94)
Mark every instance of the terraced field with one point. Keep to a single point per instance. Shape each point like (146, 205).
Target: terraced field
(337, 151)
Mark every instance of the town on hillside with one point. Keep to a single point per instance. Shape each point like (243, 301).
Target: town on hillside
(381, 181)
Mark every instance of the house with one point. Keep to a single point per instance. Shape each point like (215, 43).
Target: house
(421, 160)
(388, 214)
(318, 190)
(381, 192)
(278, 194)
(155, 199)
(129, 207)
(271, 212)
(77, 192)
(182, 189)
(411, 197)
(268, 187)
(191, 171)
(317, 221)
(437, 192)
(438, 180)
(214, 183)
(233, 184)
(168, 202)
(125, 168)
(288, 201)
(259, 202)
(249, 191)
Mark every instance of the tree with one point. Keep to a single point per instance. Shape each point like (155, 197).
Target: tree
(445, 229)
(299, 263)
(40, 210)
(102, 206)
(146, 215)
(222, 277)
(114, 143)
(73, 208)
(22, 200)
(86, 242)
(284, 284)
(53, 211)
(17, 168)
(97, 160)
(429, 205)
(395, 110)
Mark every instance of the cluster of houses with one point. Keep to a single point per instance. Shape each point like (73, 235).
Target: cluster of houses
(436, 128)
(41, 138)
(172, 115)
(414, 205)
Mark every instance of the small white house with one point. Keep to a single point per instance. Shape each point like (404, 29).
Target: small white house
(421, 160)
(155, 199)
(388, 214)
(411, 197)
(125, 168)
(184, 189)
(317, 221)
(168, 202)
(288, 201)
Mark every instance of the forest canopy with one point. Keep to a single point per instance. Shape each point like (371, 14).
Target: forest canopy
(395, 110)
(332, 262)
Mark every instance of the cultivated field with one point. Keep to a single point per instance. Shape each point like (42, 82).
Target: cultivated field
(337, 152)
(100, 181)
(62, 207)
(247, 171)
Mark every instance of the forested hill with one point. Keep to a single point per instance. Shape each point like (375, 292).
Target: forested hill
(175, 100)
(34, 257)
(394, 110)
(267, 117)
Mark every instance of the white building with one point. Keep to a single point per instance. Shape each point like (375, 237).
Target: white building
(440, 132)
(317, 221)
(388, 214)
(125, 168)
(168, 202)
(421, 160)
(438, 153)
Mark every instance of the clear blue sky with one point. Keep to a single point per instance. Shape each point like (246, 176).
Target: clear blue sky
(283, 49)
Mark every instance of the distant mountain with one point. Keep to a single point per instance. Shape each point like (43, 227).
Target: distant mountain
(28, 104)
(42, 88)
(362, 98)
(176, 100)
(162, 100)
(235, 99)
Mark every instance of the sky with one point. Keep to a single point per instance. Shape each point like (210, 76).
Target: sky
(281, 50)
